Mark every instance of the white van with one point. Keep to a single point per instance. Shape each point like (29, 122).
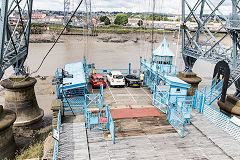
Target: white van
(115, 78)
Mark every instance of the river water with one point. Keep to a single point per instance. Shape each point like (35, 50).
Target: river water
(106, 55)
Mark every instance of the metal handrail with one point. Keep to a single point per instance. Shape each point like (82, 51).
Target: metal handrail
(55, 150)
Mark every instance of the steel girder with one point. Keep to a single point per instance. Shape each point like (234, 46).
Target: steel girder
(15, 23)
(88, 5)
(204, 42)
(66, 11)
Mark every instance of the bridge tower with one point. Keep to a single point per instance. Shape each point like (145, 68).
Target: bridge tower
(66, 11)
(15, 26)
(203, 41)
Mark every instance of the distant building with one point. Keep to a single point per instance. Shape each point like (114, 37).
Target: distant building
(55, 19)
(133, 22)
(38, 18)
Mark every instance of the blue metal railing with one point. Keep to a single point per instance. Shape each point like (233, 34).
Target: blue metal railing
(101, 121)
(104, 72)
(55, 150)
(160, 100)
(214, 93)
(73, 100)
(111, 125)
(184, 107)
(166, 69)
(177, 122)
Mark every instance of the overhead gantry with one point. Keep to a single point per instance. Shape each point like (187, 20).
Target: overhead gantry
(14, 40)
(201, 43)
(19, 96)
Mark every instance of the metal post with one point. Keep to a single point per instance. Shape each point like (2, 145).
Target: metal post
(3, 26)
(183, 31)
(66, 11)
(129, 68)
(234, 33)
(140, 71)
(153, 26)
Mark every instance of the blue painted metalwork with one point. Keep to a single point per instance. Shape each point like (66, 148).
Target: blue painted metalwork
(184, 107)
(111, 125)
(160, 99)
(14, 41)
(212, 48)
(93, 121)
(71, 86)
(175, 120)
(55, 150)
(214, 93)
(129, 68)
(101, 121)
(123, 71)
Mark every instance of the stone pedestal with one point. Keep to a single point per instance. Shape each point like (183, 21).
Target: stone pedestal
(7, 143)
(231, 107)
(20, 98)
(192, 79)
(56, 105)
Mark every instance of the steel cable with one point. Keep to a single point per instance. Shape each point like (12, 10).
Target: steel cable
(55, 42)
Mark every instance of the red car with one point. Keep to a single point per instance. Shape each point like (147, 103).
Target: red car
(96, 80)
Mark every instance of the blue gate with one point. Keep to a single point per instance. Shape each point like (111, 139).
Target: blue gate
(160, 100)
(176, 120)
(101, 121)
(74, 100)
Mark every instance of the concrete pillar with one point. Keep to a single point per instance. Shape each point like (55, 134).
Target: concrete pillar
(7, 143)
(56, 105)
(20, 98)
(192, 79)
(231, 107)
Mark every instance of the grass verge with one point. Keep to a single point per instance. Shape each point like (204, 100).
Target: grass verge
(35, 149)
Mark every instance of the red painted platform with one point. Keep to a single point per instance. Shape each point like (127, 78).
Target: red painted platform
(135, 112)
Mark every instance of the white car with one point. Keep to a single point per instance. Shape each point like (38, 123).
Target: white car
(115, 78)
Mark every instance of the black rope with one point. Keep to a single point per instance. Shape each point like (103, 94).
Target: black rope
(57, 38)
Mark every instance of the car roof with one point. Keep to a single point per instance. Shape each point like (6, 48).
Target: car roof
(95, 76)
(116, 72)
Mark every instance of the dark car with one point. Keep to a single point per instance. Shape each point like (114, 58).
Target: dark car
(132, 80)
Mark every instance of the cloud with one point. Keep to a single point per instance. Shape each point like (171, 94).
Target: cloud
(162, 6)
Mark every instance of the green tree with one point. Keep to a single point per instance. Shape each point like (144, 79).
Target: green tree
(121, 19)
(140, 23)
(107, 21)
(102, 18)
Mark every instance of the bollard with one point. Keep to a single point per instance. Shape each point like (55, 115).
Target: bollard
(7, 146)
(20, 98)
(192, 79)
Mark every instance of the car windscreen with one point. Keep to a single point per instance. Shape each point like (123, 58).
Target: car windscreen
(118, 77)
(133, 77)
(99, 79)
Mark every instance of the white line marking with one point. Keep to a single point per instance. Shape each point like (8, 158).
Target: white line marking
(92, 90)
(146, 93)
(130, 95)
(111, 93)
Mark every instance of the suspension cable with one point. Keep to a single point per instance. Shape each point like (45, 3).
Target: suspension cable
(55, 42)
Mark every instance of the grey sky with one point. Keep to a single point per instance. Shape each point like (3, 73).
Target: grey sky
(163, 6)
